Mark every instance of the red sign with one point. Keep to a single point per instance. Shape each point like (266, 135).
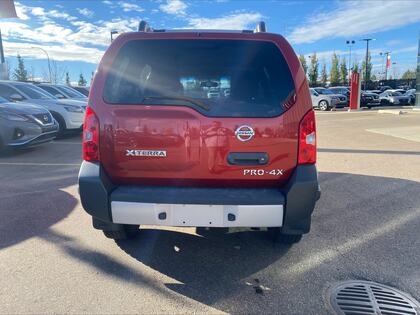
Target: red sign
(355, 91)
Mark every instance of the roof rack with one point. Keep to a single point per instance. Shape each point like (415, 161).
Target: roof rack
(260, 28)
(145, 27)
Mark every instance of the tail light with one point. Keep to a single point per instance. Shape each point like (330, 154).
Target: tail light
(307, 139)
(90, 136)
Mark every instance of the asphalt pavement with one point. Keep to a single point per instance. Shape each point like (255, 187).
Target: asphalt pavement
(365, 226)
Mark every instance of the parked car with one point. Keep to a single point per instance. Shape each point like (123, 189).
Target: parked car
(68, 113)
(369, 99)
(157, 154)
(411, 94)
(24, 125)
(62, 91)
(342, 99)
(82, 89)
(323, 102)
(394, 98)
(343, 90)
(384, 88)
(374, 91)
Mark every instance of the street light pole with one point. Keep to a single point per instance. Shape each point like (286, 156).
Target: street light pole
(367, 40)
(349, 43)
(48, 58)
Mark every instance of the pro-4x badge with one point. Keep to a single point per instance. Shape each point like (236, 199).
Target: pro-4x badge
(155, 153)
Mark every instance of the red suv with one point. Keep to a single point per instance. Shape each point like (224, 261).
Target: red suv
(200, 129)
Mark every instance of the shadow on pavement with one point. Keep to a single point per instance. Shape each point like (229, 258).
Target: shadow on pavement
(210, 268)
(30, 204)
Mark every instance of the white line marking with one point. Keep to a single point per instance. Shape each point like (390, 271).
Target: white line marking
(39, 164)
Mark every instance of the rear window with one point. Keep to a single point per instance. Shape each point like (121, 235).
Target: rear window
(223, 78)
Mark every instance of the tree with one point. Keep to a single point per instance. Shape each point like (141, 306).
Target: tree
(67, 78)
(82, 81)
(334, 73)
(58, 72)
(304, 64)
(369, 69)
(408, 75)
(20, 73)
(356, 67)
(343, 72)
(324, 76)
(313, 70)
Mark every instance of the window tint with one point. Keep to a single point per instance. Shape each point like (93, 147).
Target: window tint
(70, 92)
(7, 91)
(33, 92)
(49, 89)
(231, 77)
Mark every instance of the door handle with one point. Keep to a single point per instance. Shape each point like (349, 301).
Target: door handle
(247, 158)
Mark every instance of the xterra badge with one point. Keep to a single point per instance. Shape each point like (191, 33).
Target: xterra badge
(146, 153)
(244, 133)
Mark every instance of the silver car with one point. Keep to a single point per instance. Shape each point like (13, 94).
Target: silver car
(394, 98)
(342, 99)
(23, 125)
(323, 101)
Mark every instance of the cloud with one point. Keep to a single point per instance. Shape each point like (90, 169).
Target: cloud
(85, 11)
(21, 11)
(44, 15)
(356, 18)
(236, 21)
(128, 7)
(176, 7)
(67, 52)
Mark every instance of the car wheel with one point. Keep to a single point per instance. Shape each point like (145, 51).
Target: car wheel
(323, 105)
(278, 237)
(127, 232)
(61, 125)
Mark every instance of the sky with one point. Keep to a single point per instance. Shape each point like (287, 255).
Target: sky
(76, 33)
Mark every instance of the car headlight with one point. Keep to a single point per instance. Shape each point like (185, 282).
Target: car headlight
(13, 117)
(74, 109)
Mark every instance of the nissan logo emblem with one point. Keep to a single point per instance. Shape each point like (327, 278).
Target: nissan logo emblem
(244, 133)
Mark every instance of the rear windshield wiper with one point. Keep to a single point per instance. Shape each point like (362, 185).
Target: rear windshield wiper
(178, 98)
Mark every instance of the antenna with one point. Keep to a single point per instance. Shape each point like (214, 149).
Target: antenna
(260, 28)
(144, 27)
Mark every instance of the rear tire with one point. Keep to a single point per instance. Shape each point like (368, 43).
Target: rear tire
(282, 238)
(127, 232)
(323, 105)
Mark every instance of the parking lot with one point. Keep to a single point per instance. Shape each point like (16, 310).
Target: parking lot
(365, 226)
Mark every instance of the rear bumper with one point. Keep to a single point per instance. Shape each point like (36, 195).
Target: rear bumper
(290, 207)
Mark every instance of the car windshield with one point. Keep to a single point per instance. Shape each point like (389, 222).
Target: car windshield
(33, 92)
(71, 93)
(395, 94)
(222, 78)
(3, 100)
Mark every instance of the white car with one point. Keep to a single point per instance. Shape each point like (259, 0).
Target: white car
(68, 113)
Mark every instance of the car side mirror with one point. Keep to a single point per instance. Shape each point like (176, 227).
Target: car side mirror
(16, 97)
(60, 96)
